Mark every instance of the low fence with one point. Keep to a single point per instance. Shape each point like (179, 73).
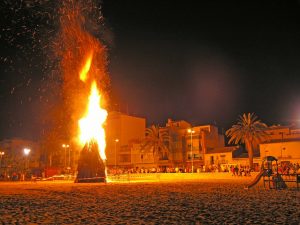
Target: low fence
(168, 177)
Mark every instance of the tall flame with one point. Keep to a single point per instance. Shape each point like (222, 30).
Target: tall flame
(85, 69)
(91, 125)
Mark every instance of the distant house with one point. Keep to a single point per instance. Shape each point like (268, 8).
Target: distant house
(283, 143)
(221, 156)
(187, 146)
(287, 150)
(241, 158)
(121, 132)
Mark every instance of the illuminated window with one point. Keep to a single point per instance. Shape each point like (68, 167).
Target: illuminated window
(197, 156)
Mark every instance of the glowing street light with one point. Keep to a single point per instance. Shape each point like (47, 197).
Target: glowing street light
(190, 131)
(1, 155)
(116, 141)
(65, 146)
(26, 153)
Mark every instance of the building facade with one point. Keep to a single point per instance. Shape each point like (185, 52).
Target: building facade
(121, 132)
(283, 143)
(187, 147)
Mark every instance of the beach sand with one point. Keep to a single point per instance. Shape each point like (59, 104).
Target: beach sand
(203, 202)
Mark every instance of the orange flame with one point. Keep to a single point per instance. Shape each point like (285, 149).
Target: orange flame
(91, 125)
(85, 69)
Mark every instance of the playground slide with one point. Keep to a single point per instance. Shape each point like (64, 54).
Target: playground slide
(256, 180)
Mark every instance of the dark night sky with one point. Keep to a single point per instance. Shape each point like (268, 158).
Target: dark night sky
(204, 62)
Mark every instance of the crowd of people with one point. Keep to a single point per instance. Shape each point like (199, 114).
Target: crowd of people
(235, 170)
(289, 168)
(15, 176)
(240, 170)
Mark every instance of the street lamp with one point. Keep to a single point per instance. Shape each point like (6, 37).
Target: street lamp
(116, 141)
(1, 155)
(65, 146)
(282, 148)
(190, 131)
(26, 153)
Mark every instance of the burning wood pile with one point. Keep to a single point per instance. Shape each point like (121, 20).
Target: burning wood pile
(91, 167)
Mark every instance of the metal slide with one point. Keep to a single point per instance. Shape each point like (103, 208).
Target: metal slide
(256, 180)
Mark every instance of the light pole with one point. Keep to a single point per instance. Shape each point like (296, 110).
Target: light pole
(26, 153)
(116, 141)
(1, 155)
(65, 146)
(190, 131)
(281, 143)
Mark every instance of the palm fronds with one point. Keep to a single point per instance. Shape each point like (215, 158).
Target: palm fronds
(155, 140)
(249, 131)
(248, 127)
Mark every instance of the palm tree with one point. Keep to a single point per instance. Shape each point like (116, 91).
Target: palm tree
(155, 140)
(249, 131)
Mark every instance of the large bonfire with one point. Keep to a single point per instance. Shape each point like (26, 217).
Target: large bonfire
(85, 83)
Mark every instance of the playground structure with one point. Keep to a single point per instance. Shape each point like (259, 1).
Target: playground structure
(272, 179)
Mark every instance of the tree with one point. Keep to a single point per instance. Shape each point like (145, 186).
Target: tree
(249, 131)
(155, 140)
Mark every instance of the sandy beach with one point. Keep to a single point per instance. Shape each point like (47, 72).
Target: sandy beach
(203, 202)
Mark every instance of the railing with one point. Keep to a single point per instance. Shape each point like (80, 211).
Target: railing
(157, 177)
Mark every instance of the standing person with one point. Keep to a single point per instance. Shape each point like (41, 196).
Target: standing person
(233, 170)
(241, 171)
(247, 171)
(236, 170)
